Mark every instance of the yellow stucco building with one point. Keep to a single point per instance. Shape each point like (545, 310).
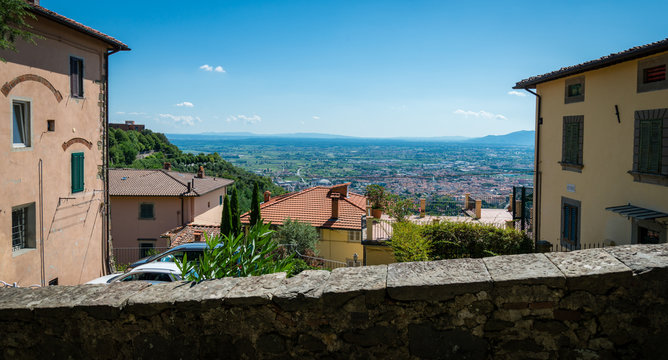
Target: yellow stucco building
(601, 161)
(334, 211)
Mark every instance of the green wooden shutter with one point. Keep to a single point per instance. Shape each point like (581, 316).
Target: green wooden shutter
(77, 172)
(572, 142)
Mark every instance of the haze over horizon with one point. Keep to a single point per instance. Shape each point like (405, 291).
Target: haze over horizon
(365, 69)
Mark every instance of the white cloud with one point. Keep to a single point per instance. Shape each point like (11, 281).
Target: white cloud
(186, 104)
(253, 119)
(120, 112)
(316, 118)
(482, 114)
(181, 119)
(517, 93)
(136, 113)
(209, 68)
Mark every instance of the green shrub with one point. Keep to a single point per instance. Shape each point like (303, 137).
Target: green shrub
(448, 240)
(453, 240)
(299, 266)
(301, 236)
(237, 256)
(408, 243)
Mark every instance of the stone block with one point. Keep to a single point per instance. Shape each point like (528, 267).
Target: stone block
(437, 280)
(346, 283)
(524, 269)
(254, 290)
(594, 270)
(646, 260)
(304, 289)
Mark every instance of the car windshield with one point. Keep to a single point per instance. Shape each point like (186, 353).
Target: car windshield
(178, 255)
(147, 276)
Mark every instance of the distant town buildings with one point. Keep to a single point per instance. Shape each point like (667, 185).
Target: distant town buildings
(602, 150)
(53, 213)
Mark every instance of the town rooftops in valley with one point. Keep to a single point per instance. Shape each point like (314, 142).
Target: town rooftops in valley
(314, 206)
(608, 60)
(36, 9)
(161, 182)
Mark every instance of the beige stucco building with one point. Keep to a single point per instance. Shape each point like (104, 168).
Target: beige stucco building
(147, 203)
(602, 150)
(53, 116)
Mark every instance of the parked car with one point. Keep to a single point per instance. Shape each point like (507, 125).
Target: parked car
(157, 272)
(194, 251)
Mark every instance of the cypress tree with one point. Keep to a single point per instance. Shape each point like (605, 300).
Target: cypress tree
(234, 212)
(255, 206)
(226, 220)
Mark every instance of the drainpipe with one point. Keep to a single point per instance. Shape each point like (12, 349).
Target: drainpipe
(537, 173)
(106, 264)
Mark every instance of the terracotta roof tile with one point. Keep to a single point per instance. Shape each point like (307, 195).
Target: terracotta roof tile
(314, 206)
(136, 182)
(54, 16)
(186, 234)
(608, 60)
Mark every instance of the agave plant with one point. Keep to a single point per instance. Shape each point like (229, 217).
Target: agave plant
(237, 256)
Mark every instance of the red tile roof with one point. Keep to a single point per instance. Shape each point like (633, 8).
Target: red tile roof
(160, 182)
(314, 206)
(38, 10)
(186, 234)
(608, 60)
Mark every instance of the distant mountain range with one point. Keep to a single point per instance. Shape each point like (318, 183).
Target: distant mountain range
(522, 138)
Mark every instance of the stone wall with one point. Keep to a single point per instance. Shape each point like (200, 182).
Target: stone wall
(601, 303)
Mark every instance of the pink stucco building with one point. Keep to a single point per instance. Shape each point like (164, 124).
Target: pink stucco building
(147, 203)
(53, 116)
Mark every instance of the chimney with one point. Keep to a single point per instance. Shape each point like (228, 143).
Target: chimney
(335, 205)
(197, 234)
(267, 196)
(189, 187)
(167, 166)
(200, 172)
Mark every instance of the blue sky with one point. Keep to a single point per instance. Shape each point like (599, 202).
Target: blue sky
(359, 68)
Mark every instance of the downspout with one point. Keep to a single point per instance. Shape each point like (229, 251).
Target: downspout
(537, 173)
(106, 264)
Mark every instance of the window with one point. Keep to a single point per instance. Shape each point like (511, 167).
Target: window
(76, 77)
(53, 282)
(650, 146)
(220, 200)
(648, 236)
(23, 227)
(570, 223)
(146, 248)
(572, 143)
(21, 132)
(146, 211)
(77, 172)
(652, 74)
(575, 90)
(354, 235)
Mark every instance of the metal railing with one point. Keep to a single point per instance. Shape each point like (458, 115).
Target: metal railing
(544, 246)
(314, 260)
(131, 254)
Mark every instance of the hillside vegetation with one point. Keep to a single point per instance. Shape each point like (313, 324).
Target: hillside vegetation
(124, 146)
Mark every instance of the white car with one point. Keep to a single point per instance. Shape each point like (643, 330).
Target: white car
(155, 272)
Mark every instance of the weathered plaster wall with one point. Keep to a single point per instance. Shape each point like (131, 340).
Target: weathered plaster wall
(608, 304)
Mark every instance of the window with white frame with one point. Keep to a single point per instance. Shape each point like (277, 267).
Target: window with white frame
(21, 123)
(23, 227)
(354, 235)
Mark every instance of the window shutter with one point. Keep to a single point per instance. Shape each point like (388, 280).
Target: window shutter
(74, 81)
(77, 172)
(644, 147)
(654, 156)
